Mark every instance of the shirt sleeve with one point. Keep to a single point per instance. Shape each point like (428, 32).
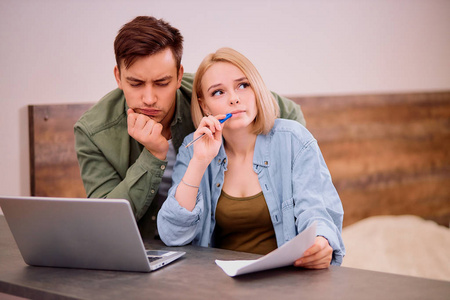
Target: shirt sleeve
(176, 225)
(317, 199)
(138, 184)
(289, 109)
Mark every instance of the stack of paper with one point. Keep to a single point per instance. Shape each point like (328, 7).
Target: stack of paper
(286, 255)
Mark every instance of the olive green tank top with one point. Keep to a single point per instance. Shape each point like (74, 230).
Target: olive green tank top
(244, 224)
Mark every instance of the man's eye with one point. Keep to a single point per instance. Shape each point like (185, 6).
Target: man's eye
(162, 84)
(135, 84)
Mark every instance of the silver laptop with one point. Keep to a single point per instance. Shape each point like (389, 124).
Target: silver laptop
(80, 233)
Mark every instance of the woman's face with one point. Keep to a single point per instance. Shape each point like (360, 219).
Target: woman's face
(226, 90)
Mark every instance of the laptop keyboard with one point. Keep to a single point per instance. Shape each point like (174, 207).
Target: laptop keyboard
(153, 258)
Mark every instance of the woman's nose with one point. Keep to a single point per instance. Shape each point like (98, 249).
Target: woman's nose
(234, 99)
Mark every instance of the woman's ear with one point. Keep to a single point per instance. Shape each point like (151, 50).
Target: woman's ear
(203, 107)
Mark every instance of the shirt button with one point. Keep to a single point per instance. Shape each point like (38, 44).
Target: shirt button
(152, 191)
(163, 167)
(266, 162)
(153, 218)
(218, 184)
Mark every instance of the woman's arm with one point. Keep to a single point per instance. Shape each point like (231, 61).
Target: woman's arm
(316, 199)
(181, 213)
(177, 226)
(205, 149)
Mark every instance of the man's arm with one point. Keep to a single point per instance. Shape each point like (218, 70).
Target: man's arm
(106, 173)
(289, 109)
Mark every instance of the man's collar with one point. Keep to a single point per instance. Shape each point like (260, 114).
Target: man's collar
(178, 116)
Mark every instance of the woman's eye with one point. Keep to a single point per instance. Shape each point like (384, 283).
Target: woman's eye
(217, 93)
(243, 85)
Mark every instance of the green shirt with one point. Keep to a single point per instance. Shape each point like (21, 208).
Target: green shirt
(114, 165)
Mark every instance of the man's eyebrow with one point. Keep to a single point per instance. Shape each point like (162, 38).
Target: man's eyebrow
(129, 78)
(165, 78)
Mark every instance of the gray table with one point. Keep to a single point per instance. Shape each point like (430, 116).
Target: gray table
(196, 276)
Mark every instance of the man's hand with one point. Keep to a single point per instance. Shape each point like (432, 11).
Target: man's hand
(318, 256)
(147, 132)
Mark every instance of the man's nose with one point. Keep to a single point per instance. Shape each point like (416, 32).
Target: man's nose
(148, 95)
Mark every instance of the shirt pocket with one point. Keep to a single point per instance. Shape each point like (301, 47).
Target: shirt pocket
(287, 210)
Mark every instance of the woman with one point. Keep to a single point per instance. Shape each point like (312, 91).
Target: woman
(254, 182)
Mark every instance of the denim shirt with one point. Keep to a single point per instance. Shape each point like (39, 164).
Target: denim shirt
(294, 179)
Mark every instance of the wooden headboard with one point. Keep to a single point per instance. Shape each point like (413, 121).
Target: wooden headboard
(388, 154)
(54, 169)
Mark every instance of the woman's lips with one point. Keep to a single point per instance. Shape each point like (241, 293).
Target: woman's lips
(235, 112)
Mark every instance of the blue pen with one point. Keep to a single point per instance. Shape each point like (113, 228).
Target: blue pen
(221, 121)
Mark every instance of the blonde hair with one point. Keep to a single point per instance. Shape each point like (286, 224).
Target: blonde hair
(267, 107)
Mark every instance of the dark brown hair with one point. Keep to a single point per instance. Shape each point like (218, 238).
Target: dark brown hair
(145, 36)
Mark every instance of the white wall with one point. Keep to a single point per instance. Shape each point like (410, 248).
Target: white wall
(54, 51)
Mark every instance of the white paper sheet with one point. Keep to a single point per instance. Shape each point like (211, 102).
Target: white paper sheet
(286, 255)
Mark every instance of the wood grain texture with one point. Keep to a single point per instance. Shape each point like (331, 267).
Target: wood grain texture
(54, 169)
(387, 154)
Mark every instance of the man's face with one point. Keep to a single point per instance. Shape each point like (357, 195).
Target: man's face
(150, 85)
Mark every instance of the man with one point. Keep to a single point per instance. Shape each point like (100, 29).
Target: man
(126, 144)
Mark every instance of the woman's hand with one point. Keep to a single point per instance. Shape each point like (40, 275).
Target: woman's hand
(318, 256)
(206, 148)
